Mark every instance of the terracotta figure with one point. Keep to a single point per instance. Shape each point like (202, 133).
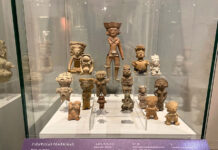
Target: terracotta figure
(86, 64)
(172, 116)
(161, 85)
(128, 103)
(113, 29)
(142, 96)
(140, 65)
(101, 101)
(76, 52)
(65, 93)
(151, 109)
(155, 65)
(87, 84)
(100, 83)
(5, 65)
(127, 80)
(64, 79)
(74, 110)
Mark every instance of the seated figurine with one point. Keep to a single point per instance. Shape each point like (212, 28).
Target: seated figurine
(172, 116)
(126, 80)
(155, 65)
(65, 93)
(142, 96)
(151, 109)
(140, 65)
(86, 64)
(128, 103)
(74, 110)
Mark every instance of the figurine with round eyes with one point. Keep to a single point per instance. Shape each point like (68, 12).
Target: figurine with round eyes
(113, 29)
(172, 116)
(86, 64)
(127, 80)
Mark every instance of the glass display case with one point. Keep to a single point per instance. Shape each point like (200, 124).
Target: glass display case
(117, 69)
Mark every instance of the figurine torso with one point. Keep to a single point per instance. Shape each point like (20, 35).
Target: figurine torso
(141, 65)
(113, 46)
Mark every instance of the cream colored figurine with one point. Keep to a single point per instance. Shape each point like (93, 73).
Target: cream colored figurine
(172, 116)
(155, 65)
(140, 65)
(76, 52)
(127, 80)
(86, 64)
(100, 83)
(5, 65)
(142, 96)
(74, 110)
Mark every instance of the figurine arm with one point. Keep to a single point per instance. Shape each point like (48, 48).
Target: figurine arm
(81, 68)
(92, 67)
(121, 50)
(70, 63)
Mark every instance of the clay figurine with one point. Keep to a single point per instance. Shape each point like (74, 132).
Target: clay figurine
(74, 110)
(155, 65)
(128, 103)
(179, 66)
(65, 93)
(5, 65)
(151, 109)
(172, 116)
(126, 80)
(64, 79)
(142, 96)
(112, 30)
(100, 83)
(87, 84)
(86, 64)
(140, 65)
(161, 85)
(101, 101)
(76, 52)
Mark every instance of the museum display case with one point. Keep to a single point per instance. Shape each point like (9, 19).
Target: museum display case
(117, 69)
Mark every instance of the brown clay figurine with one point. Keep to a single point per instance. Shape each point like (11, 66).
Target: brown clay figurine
(126, 80)
(86, 64)
(5, 65)
(128, 103)
(140, 65)
(113, 29)
(74, 110)
(161, 92)
(100, 83)
(76, 52)
(172, 116)
(142, 96)
(101, 101)
(87, 84)
(151, 109)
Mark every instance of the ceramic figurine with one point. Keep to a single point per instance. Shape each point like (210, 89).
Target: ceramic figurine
(112, 30)
(101, 101)
(76, 52)
(128, 103)
(100, 83)
(142, 96)
(74, 110)
(172, 116)
(151, 109)
(140, 65)
(65, 93)
(64, 79)
(87, 84)
(161, 85)
(126, 80)
(5, 65)
(155, 65)
(179, 66)
(86, 64)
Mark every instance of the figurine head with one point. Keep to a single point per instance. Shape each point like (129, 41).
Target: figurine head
(113, 28)
(142, 89)
(64, 79)
(64, 93)
(126, 71)
(179, 60)
(86, 83)
(155, 59)
(172, 106)
(100, 75)
(86, 58)
(3, 49)
(161, 83)
(151, 101)
(75, 105)
(77, 48)
(140, 51)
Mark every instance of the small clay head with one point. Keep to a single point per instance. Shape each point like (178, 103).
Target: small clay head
(140, 51)
(64, 79)
(161, 83)
(142, 89)
(64, 92)
(151, 101)
(86, 58)
(126, 71)
(100, 75)
(2, 49)
(155, 59)
(113, 28)
(77, 48)
(172, 106)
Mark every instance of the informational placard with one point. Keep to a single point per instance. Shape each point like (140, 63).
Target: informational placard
(114, 144)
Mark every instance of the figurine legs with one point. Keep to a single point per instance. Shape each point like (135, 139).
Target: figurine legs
(116, 73)
(117, 66)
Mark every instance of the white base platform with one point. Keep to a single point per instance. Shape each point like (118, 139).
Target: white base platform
(114, 124)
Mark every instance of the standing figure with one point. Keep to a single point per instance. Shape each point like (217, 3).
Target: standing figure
(161, 92)
(142, 96)
(140, 65)
(86, 64)
(151, 109)
(128, 103)
(127, 80)
(113, 29)
(172, 116)
(76, 52)
(100, 83)
(74, 110)
(87, 84)
(155, 65)
(101, 101)
(5, 65)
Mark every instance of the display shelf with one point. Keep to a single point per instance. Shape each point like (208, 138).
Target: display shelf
(5, 99)
(60, 127)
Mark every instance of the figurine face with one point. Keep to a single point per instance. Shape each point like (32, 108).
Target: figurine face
(172, 106)
(77, 49)
(161, 83)
(64, 79)
(140, 54)
(100, 75)
(151, 101)
(142, 89)
(2, 49)
(113, 32)
(126, 71)
(64, 92)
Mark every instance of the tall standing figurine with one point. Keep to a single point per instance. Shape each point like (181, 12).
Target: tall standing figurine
(127, 80)
(5, 65)
(172, 116)
(155, 65)
(161, 85)
(113, 29)
(76, 52)
(140, 65)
